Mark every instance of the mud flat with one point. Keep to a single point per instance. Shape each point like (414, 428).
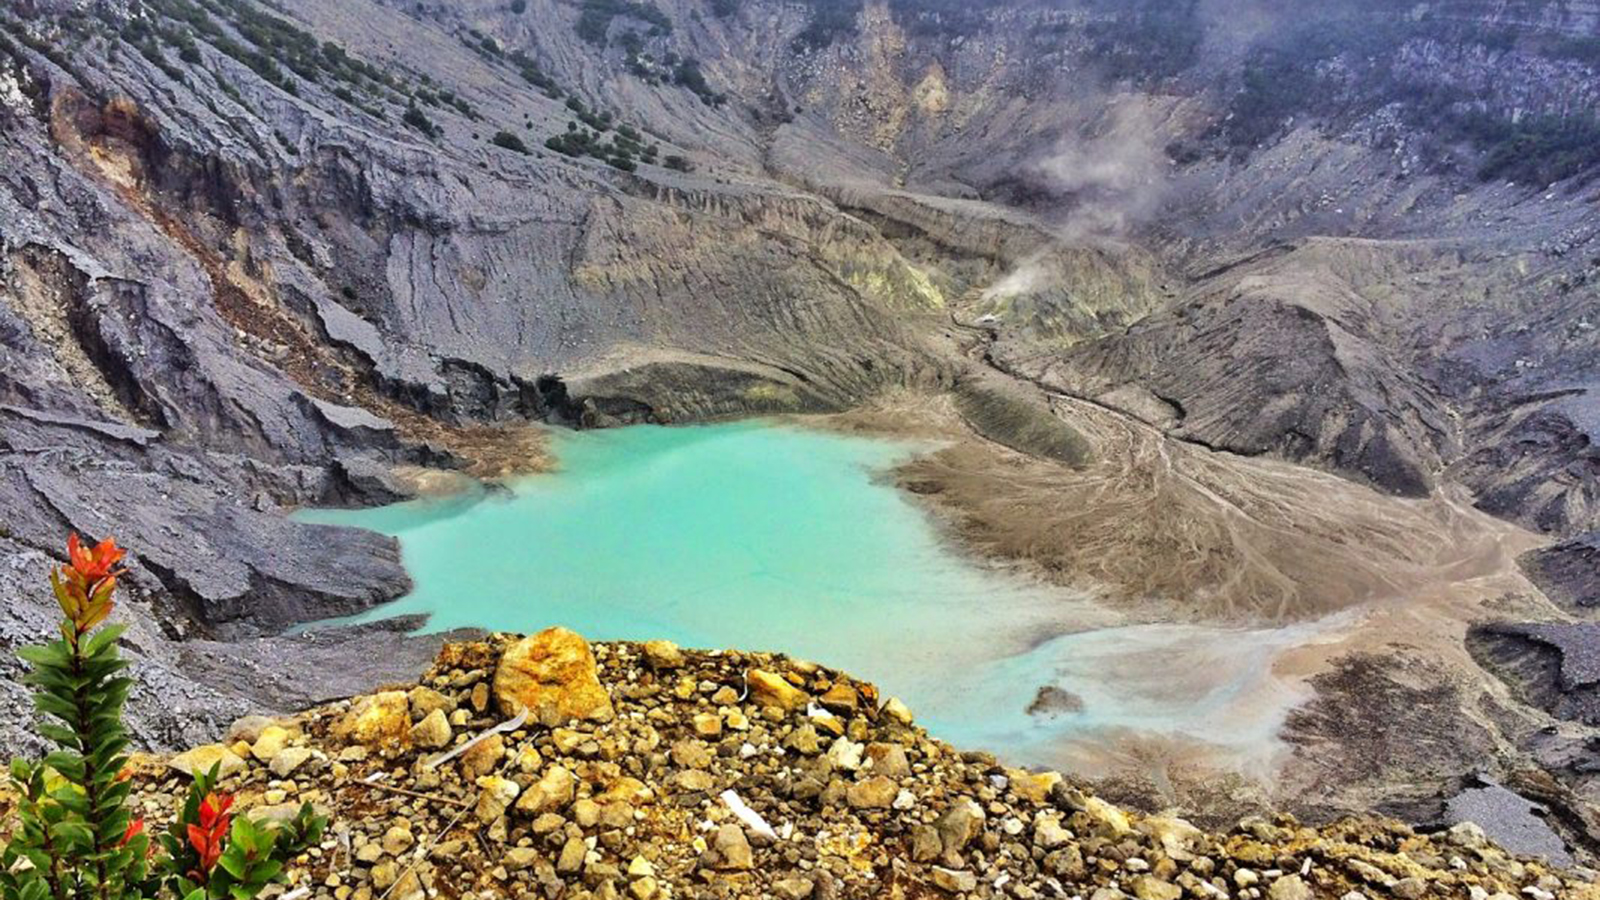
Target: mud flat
(1354, 605)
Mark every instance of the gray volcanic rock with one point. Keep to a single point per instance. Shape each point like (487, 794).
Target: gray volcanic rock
(1556, 665)
(187, 691)
(1510, 820)
(1569, 572)
(1277, 356)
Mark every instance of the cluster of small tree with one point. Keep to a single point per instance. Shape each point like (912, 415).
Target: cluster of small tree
(945, 18)
(687, 74)
(1536, 150)
(1293, 76)
(151, 50)
(1147, 40)
(265, 43)
(830, 21)
(599, 120)
(443, 97)
(637, 60)
(595, 18)
(33, 42)
(416, 118)
(625, 150)
(532, 74)
(482, 44)
(509, 141)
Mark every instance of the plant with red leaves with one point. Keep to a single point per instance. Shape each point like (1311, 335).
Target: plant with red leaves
(208, 836)
(84, 586)
(135, 828)
(75, 839)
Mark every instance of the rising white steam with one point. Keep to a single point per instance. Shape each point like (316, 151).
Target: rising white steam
(1103, 184)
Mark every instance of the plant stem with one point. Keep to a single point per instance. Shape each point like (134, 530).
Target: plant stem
(91, 791)
(52, 875)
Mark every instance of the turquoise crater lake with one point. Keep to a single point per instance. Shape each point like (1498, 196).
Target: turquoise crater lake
(765, 536)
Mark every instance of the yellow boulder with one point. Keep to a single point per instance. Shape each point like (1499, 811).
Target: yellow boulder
(553, 676)
(770, 689)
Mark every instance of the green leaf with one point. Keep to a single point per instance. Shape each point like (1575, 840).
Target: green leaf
(50, 678)
(234, 862)
(54, 654)
(103, 639)
(50, 704)
(39, 858)
(69, 764)
(67, 799)
(266, 871)
(112, 827)
(116, 794)
(58, 734)
(72, 831)
(105, 731)
(34, 889)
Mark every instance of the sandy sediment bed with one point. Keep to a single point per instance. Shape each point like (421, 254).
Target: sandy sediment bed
(1383, 705)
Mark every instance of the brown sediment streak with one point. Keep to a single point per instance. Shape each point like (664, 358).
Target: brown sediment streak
(114, 143)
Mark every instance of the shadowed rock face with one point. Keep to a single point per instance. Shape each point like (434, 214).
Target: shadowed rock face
(1569, 572)
(239, 275)
(1556, 666)
(1278, 357)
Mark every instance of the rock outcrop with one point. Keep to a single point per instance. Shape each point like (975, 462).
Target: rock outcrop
(646, 805)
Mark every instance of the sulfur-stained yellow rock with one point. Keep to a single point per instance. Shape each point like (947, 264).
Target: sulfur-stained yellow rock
(1177, 837)
(432, 732)
(1149, 887)
(201, 759)
(872, 793)
(897, 710)
(1107, 819)
(663, 655)
(1031, 786)
(495, 795)
(382, 720)
(272, 739)
(552, 675)
(483, 757)
(841, 698)
(551, 793)
(769, 689)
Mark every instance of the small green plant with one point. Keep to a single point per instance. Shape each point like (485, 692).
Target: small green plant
(508, 141)
(74, 838)
(419, 120)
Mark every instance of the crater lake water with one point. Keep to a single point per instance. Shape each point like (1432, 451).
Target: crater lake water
(767, 536)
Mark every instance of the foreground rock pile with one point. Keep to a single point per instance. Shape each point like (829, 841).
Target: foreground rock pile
(613, 785)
